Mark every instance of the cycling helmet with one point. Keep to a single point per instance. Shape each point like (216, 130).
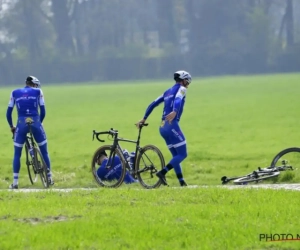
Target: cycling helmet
(102, 153)
(182, 75)
(33, 80)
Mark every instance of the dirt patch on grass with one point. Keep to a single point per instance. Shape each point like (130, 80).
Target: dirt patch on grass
(4, 217)
(47, 219)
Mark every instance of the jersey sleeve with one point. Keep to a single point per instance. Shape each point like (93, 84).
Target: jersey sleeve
(41, 98)
(154, 104)
(11, 102)
(181, 93)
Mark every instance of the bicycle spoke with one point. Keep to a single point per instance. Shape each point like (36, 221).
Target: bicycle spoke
(149, 162)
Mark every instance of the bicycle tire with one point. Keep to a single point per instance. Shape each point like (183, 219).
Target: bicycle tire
(103, 183)
(30, 167)
(252, 178)
(41, 167)
(153, 169)
(282, 153)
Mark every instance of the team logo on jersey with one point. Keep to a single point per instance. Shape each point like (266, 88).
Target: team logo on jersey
(178, 134)
(182, 92)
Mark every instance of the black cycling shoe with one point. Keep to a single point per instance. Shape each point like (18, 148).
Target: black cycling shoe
(12, 186)
(183, 183)
(162, 178)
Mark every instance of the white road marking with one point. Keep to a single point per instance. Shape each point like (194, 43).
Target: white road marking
(295, 187)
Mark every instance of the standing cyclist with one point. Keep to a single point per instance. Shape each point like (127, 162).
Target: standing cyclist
(27, 101)
(174, 99)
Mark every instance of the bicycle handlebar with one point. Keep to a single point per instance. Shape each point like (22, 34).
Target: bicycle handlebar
(111, 132)
(143, 125)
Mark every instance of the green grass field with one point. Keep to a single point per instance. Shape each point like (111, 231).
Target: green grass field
(211, 218)
(232, 126)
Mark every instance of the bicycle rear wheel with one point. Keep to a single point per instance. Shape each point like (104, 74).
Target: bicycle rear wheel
(253, 178)
(40, 166)
(150, 160)
(287, 157)
(112, 173)
(30, 168)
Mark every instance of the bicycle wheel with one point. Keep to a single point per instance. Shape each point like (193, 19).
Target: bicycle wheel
(253, 178)
(150, 160)
(40, 166)
(110, 173)
(30, 168)
(287, 157)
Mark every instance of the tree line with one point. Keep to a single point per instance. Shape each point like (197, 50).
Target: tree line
(107, 40)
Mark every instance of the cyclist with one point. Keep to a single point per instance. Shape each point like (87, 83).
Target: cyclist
(27, 101)
(174, 99)
(112, 172)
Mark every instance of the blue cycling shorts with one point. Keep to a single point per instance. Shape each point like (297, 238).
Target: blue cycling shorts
(22, 130)
(172, 134)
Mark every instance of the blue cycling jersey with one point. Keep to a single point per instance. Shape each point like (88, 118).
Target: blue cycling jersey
(113, 172)
(173, 98)
(27, 101)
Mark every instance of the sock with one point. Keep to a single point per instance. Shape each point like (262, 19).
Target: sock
(166, 169)
(16, 179)
(49, 174)
(180, 177)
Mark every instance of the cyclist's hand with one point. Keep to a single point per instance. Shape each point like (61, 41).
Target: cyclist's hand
(13, 129)
(139, 122)
(171, 116)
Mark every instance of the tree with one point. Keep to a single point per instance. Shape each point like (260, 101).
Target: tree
(62, 26)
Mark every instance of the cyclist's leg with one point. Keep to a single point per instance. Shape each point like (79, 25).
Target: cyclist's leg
(129, 179)
(167, 139)
(176, 160)
(19, 140)
(41, 139)
(177, 146)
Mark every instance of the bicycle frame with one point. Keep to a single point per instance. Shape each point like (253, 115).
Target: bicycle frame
(116, 140)
(29, 143)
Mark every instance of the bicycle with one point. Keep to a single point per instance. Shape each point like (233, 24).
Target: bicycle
(34, 159)
(258, 175)
(141, 168)
(292, 154)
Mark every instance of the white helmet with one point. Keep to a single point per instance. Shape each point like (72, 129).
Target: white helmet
(33, 80)
(183, 75)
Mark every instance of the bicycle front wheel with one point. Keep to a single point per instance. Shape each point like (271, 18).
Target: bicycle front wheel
(40, 167)
(111, 172)
(253, 178)
(287, 157)
(150, 160)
